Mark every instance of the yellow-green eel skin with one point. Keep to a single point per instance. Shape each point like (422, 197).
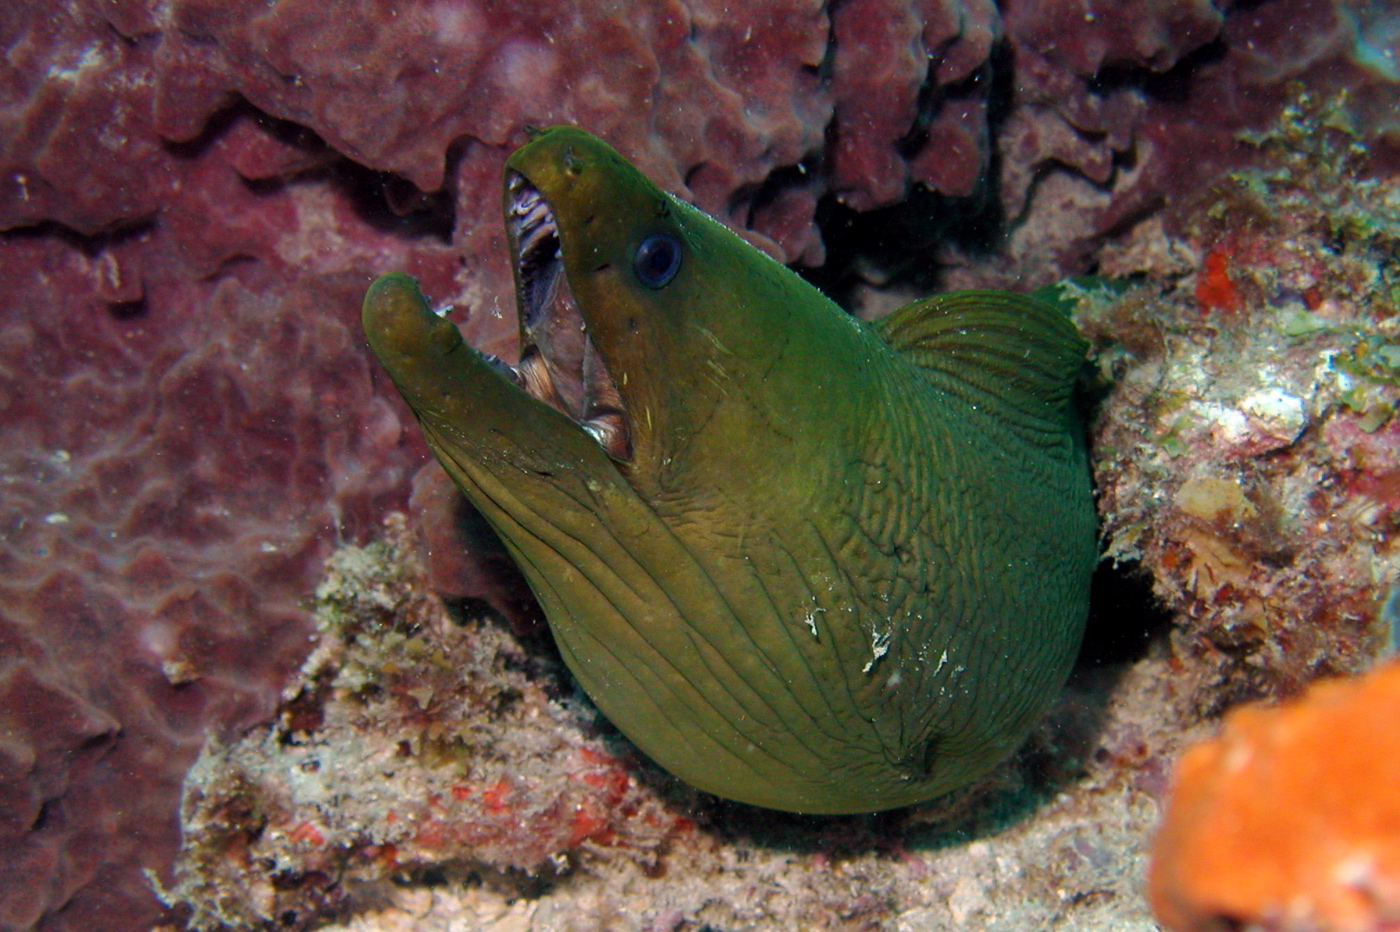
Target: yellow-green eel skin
(843, 567)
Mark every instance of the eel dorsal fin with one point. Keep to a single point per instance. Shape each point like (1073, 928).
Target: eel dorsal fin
(1011, 353)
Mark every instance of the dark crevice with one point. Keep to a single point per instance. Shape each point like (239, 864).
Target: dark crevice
(216, 126)
(826, 68)
(898, 243)
(390, 203)
(749, 200)
(90, 245)
(895, 247)
(128, 310)
(934, 96)
(230, 266)
(1171, 86)
(1125, 618)
(129, 41)
(383, 200)
(47, 815)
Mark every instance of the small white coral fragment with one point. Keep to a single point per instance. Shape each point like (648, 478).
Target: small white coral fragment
(1276, 413)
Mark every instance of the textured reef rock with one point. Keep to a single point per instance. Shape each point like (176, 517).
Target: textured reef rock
(1153, 35)
(194, 194)
(1290, 819)
(1247, 456)
(161, 520)
(1249, 461)
(419, 774)
(409, 740)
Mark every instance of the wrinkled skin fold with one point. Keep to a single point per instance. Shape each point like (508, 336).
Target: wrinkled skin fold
(801, 561)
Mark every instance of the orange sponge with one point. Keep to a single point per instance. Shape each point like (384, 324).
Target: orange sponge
(1290, 819)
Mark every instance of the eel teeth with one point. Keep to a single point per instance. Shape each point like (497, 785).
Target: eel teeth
(503, 368)
(537, 248)
(559, 363)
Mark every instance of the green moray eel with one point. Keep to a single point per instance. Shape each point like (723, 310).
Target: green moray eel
(800, 560)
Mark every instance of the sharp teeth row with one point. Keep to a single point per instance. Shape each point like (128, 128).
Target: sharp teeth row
(534, 215)
(531, 214)
(535, 227)
(603, 416)
(526, 198)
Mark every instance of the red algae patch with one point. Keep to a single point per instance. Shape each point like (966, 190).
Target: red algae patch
(1290, 819)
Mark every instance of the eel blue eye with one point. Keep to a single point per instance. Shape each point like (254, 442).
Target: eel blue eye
(658, 259)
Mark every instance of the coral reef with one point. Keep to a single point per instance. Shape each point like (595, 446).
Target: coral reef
(1290, 819)
(158, 534)
(409, 740)
(193, 195)
(1118, 113)
(446, 787)
(1247, 456)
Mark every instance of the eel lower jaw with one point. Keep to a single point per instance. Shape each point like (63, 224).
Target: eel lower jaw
(559, 363)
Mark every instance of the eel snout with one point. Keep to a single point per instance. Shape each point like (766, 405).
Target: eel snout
(402, 327)
(423, 351)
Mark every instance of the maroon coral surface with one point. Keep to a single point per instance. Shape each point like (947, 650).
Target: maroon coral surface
(196, 193)
(174, 473)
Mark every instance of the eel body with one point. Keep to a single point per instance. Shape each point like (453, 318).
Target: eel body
(802, 561)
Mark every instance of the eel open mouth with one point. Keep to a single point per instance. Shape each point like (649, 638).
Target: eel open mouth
(559, 363)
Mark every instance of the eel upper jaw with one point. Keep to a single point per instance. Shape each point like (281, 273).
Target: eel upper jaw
(559, 363)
